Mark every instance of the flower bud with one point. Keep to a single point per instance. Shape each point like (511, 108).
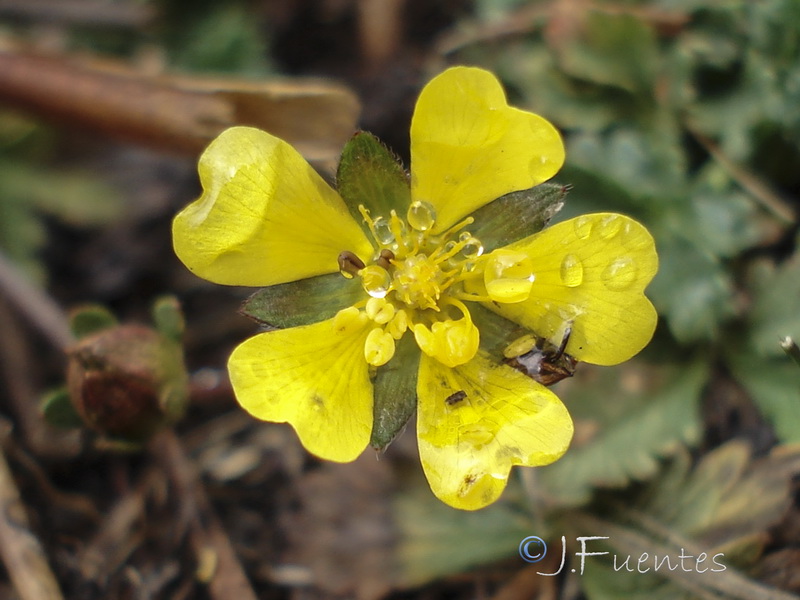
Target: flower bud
(127, 381)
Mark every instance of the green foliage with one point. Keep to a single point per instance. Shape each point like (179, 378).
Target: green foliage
(636, 418)
(435, 540)
(686, 116)
(721, 507)
(28, 194)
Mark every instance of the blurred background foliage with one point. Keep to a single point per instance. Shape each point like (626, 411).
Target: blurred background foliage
(683, 114)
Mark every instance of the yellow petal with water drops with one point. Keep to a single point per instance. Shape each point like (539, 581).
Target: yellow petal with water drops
(468, 147)
(476, 421)
(590, 273)
(313, 377)
(265, 216)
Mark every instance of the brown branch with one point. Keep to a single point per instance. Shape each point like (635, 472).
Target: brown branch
(177, 114)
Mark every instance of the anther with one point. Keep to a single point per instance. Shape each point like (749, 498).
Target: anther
(385, 259)
(349, 264)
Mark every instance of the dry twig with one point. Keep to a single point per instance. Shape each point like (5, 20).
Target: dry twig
(218, 565)
(22, 553)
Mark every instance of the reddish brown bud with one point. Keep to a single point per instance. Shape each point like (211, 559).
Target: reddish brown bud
(127, 381)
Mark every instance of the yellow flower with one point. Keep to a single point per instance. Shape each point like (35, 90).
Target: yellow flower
(410, 265)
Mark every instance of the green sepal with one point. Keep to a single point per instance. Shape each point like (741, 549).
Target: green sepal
(496, 332)
(58, 411)
(303, 302)
(89, 319)
(370, 175)
(168, 318)
(395, 393)
(517, 215)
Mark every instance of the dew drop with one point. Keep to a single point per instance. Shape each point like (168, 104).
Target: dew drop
(472, 249)
(620, 274)
(421, 215)
(508, 276)
(583, 227)
(571, 271)
(375, 281)
(610, 226)
(383, 232)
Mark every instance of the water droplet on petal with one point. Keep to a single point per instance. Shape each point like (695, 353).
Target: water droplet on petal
(571, 271)
(421, 215)
(583, 227)
(610, 226)
(620, 274)
(508, 276)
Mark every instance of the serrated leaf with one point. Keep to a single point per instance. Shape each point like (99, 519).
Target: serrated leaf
(303, 302)
(517, 215)
(654, 423)
(722, 507)
(371, 176)
(395, 393)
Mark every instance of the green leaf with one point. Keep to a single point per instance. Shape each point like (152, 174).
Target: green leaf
(435, 540)
(692, 289)
(775, 312)
(722, 507)
(89, 319)
(302, 302)
(57, 410)
(774, 384)
(395, 393)
(645, 423)
(517, 215)
(370, 175)
(612, 49)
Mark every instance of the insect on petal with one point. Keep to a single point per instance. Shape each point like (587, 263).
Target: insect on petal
(478, 420)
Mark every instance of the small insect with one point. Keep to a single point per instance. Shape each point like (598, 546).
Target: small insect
(540, 360)
(455, 398)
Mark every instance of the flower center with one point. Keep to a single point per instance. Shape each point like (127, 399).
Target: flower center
(416, 281)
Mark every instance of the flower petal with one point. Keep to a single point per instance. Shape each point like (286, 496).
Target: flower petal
(265, 216)
(590, 273)
(478, 420)
(313, 377)
(469, 147)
